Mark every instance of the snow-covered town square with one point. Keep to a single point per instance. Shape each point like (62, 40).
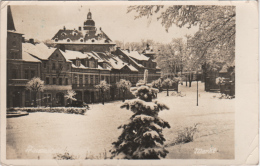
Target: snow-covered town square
(44, 135)
(94, 82)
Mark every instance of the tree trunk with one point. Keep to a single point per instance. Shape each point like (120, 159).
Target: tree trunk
(186, 79)
(103, 98)
(123, 96)
(35, 96)
(190, 79)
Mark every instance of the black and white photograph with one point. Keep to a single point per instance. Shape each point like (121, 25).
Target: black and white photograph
(121, 81)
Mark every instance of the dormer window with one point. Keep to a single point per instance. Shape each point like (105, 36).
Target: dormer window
(93, 40)
(63, 34)
(74, 33)
(68, 40)
(56, 40)
(106, 41)
(78, 62)
(81, 40)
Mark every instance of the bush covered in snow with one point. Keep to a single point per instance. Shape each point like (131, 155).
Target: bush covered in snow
(186, 135)
(142, 136)
(68, 110)
(65, 156)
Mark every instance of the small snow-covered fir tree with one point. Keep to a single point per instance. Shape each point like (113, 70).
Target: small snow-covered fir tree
(142, 136)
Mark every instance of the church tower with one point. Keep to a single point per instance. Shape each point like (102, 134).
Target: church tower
(14, 39)
(89, 24)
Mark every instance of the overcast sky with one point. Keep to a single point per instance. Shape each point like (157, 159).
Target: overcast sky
(43, 22)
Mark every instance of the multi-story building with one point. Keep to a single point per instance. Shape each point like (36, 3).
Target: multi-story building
(80, 61)
(84, 39)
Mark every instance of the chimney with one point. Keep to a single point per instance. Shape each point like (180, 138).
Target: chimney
(100, 28)
(31, 41)
(61, 47)
(64, 28)
(79, 28)
(116, 62)
(23, 40)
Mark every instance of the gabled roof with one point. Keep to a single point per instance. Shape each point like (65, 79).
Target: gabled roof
(40, 51)
(118, 64)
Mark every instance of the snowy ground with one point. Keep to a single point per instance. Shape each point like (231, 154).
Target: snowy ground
(42, 135)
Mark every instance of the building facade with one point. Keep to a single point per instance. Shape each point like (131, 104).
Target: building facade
(81, 59)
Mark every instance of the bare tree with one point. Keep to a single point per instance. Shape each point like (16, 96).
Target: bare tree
(35, 85)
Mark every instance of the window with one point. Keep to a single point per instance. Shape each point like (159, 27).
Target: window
(27, 96)
(102, 77)
(97, 80)
(91, 64)
(60, 81)
(32, 73)
(47, 80)
(78, 63)
(66, 81)
(57, 55)
(14, 43)
(49, 98)
(44, 65)
(91, 80)
(54, 81)
(75, 80)
(45, 98)
(81, 80)
(60, 66)
(53, 66)
(26, 74)
(14, 73)
(86, 79)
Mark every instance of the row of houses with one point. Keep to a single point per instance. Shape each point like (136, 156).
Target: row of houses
(80, 60)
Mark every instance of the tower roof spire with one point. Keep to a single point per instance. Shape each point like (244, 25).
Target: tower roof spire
(89, 17)
(10, 21)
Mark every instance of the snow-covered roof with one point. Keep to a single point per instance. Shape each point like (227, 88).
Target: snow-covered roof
(40, 50)
(140, 65)
(117, 63)
(136, 55)
(29, 58)
(68, 55)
